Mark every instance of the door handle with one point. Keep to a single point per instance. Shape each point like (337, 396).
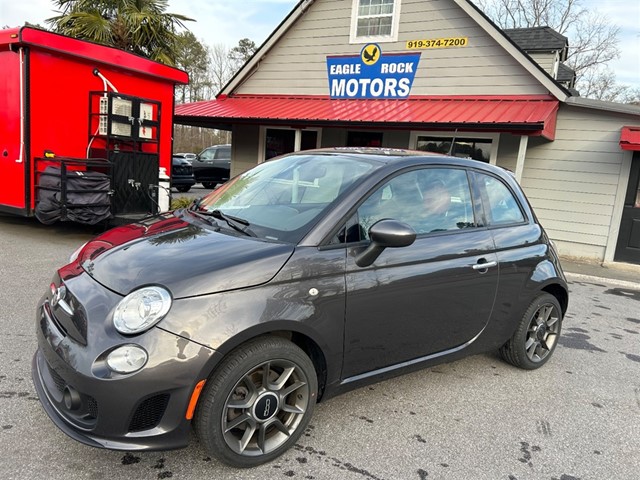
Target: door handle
(484, 266)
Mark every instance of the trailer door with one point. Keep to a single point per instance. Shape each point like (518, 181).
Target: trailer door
(12, 156)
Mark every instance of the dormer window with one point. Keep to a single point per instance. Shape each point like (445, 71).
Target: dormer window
(375, 21)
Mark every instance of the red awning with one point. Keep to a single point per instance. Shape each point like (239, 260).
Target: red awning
(630, 138)
(522, 114)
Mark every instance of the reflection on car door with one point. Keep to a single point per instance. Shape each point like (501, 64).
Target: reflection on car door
(424, 299)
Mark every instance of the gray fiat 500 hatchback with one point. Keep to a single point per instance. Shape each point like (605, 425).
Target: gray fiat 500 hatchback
(304, 277)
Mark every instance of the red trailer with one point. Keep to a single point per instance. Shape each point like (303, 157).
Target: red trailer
(84, 128)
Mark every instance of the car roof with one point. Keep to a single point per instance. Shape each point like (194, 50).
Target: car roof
(218, 146)
(399, 157)
(394, 156)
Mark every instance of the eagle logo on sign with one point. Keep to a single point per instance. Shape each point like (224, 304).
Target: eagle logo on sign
(370, 54)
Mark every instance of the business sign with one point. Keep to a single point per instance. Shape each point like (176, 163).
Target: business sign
(372, 74)
(438, 43)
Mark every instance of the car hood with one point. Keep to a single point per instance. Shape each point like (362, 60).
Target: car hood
(185, 257)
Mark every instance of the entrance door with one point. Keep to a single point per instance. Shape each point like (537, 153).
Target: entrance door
(628, 248)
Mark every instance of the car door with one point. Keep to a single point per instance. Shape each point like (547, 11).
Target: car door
(222, 163)
(431, 297)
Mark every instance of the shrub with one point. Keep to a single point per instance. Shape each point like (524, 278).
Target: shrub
(181, 202)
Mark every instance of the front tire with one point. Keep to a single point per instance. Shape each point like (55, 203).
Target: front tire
(537, 335)
(257, 403)
(183, 189)
(209, 185)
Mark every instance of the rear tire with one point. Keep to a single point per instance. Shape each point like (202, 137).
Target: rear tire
(183, 189)
(537, 335)
(257, 403)
(209, 185)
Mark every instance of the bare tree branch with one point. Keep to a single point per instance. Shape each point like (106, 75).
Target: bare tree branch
(593, 39)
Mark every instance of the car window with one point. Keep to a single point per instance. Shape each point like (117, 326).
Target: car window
(429, 200)
(501, 207)
(223, 152)
(207, 154)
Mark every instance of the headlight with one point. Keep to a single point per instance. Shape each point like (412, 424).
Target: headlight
(127, 359)
(142, 309)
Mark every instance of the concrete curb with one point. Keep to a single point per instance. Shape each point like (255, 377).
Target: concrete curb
(611, 281)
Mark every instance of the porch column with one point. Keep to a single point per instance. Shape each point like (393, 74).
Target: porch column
(297, 142)
(522, 151)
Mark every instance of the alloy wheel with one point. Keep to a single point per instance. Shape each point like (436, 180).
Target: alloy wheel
(542, 333)
(265, 407)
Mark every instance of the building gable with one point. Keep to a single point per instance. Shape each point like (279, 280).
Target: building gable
(293, 61)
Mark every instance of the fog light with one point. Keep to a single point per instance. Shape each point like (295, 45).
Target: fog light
(127, 359)
(71, 398)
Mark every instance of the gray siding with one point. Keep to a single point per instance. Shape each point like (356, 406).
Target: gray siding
(572, 182)
(545, 60)
(483, 67)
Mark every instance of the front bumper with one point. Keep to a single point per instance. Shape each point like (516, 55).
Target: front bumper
(183, 181)
(140, 411)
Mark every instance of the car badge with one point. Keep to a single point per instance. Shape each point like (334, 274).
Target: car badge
(58, 295)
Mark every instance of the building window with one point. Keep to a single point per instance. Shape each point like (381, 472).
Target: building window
(364, 139)
(277, 141)
(481, 147)
(375, 20)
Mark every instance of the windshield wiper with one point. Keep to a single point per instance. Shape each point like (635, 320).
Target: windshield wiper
(232, 221)
(205, 216)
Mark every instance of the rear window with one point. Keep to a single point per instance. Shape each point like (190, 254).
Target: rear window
(501, 207)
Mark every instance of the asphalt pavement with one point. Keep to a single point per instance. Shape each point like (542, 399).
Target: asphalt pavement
(577, 418)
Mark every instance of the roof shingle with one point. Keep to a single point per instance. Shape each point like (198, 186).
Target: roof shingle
(537, 38)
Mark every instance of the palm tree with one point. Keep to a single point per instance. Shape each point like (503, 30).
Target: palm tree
(142, 27)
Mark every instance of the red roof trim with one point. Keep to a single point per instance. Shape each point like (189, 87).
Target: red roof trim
(523, 114)
(92, 52)
(630, 138)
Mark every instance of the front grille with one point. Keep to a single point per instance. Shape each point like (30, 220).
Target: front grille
(149, 413)
(57, 379)
(185, 170)
(56, 323)
(92, 407)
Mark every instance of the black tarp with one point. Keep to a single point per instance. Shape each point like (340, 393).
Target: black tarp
(83, 197)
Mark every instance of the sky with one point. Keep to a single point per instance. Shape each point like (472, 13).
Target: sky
(228, 21)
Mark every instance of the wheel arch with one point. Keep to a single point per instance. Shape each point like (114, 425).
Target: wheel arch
(560, 293)
(295, 332)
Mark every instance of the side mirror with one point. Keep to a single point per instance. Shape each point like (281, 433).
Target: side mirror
(385, 234)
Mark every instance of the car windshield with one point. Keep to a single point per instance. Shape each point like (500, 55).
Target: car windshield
(282, 199)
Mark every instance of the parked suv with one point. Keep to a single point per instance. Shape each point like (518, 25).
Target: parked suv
(181, 174)
(212, 165)
(302, 278)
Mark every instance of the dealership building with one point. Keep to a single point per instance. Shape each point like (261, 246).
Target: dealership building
(426, 74)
